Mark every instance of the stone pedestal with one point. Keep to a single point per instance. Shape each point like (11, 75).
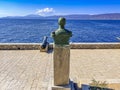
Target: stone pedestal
(61, 65)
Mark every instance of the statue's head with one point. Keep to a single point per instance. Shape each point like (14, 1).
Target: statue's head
(62, 21)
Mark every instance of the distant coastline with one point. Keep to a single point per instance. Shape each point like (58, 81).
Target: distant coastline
(107, 16)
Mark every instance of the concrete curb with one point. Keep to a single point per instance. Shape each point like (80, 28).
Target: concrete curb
(19, 46)
(36, 46)
(95, 45)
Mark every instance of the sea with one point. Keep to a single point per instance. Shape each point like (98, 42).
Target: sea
(33, 30)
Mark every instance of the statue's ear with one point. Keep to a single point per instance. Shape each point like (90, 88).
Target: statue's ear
(53, 34)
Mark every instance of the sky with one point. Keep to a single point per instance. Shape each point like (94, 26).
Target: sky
(57, 7)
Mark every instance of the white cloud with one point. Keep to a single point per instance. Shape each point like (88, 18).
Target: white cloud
(45, 11)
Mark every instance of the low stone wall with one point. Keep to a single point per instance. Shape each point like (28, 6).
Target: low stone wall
(19, 46)
(36, 46)
(95, 45)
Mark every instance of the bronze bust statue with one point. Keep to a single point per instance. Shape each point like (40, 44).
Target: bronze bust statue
(61, 35)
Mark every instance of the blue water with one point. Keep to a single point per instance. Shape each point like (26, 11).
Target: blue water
(33, 30)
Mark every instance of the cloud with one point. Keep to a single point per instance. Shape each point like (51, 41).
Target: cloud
(45, 11)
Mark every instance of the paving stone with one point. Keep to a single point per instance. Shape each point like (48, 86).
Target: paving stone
(31, 69)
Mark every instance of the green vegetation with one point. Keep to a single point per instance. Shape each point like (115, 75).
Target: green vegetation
(98, 85)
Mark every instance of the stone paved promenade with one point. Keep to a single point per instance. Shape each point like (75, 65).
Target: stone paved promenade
(32, 70)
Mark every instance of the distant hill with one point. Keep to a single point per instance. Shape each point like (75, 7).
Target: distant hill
(108, 16)
(113, 16)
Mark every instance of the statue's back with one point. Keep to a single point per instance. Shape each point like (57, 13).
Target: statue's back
(62, 37)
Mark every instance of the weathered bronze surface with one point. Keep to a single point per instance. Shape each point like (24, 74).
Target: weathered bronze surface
(61, 36)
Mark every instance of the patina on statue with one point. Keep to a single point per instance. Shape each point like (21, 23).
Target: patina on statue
(61, 35)
(61, 55)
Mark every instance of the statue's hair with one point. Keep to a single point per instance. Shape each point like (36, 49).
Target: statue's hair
(62, 21)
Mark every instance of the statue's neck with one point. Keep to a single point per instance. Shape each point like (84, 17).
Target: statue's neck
(61, 27)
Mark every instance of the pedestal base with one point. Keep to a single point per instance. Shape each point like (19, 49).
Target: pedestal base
(70, 86)
(67, 87)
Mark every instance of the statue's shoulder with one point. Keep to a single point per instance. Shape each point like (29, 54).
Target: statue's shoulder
(68, 31)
